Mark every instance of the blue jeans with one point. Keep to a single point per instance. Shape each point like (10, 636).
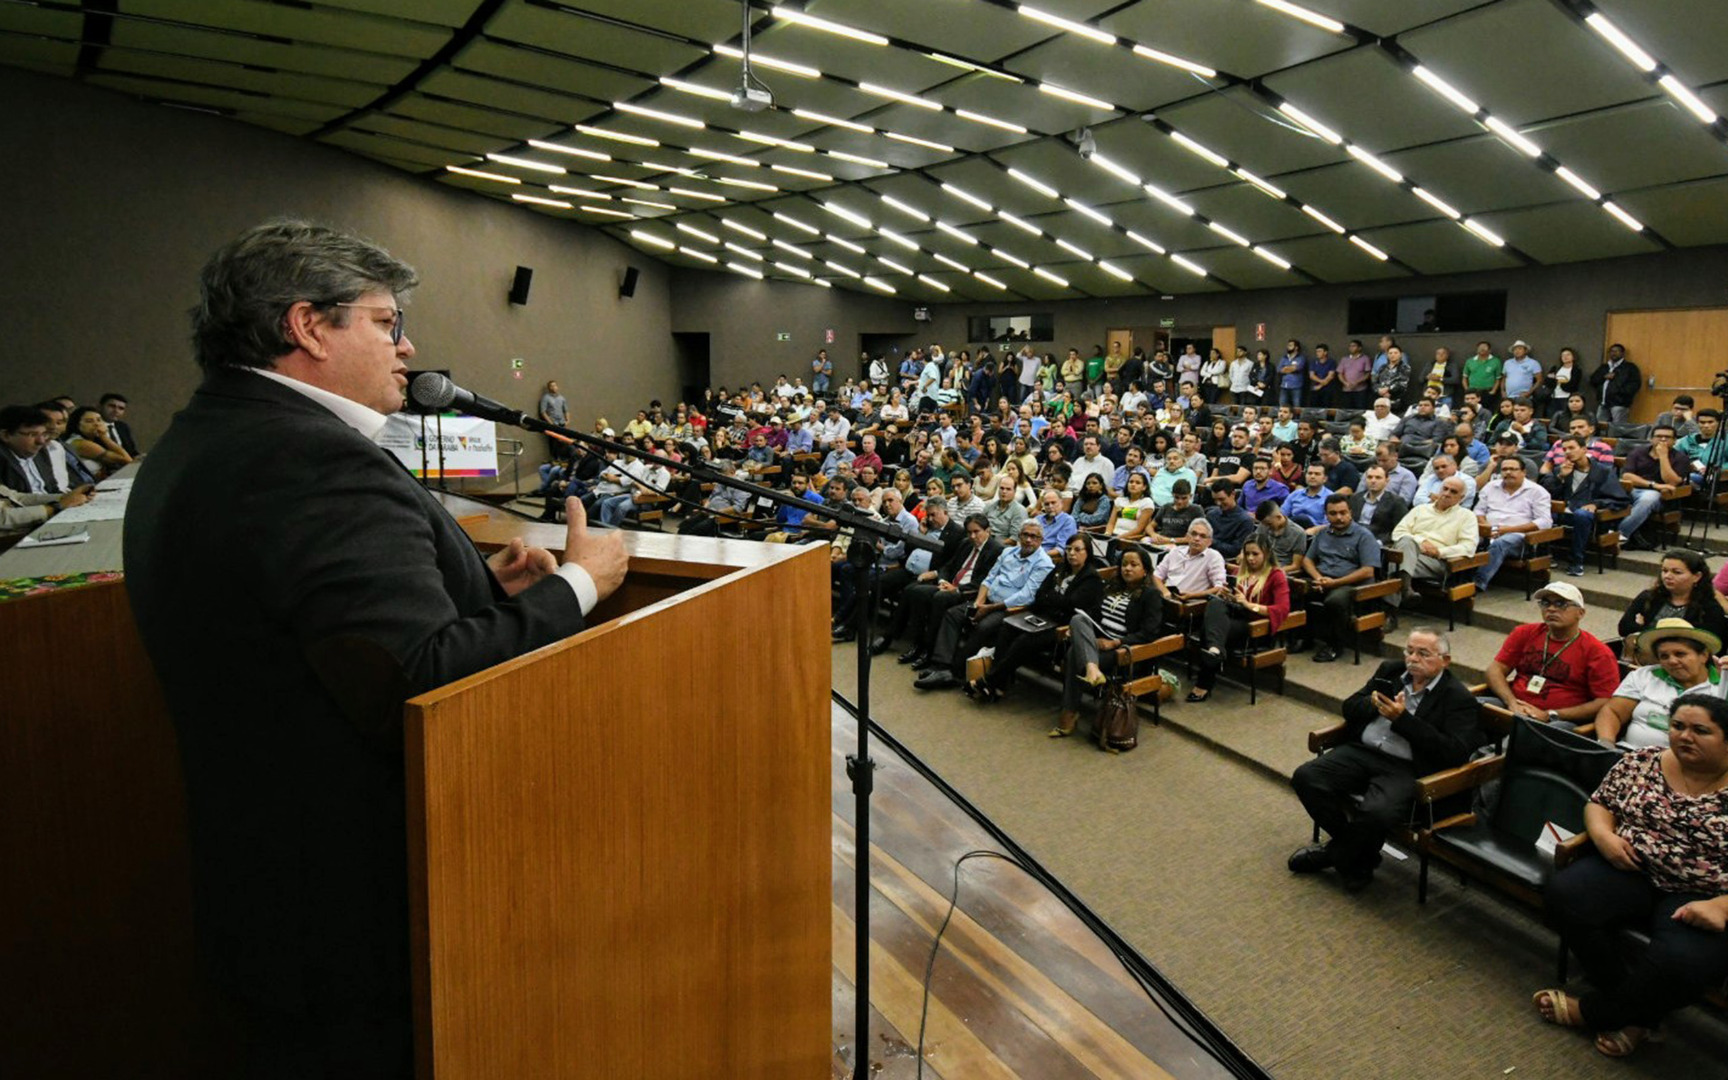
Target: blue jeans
(1644, 503)
(613, 508)
(1291, 396)
(1499, 550)
(1583, 525)
(548, 473)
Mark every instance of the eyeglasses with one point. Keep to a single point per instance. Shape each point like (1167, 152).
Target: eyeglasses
(396, 324)
(1550, 602)
(1422, 654)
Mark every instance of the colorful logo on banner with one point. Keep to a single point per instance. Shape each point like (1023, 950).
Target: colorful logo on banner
(470, 445)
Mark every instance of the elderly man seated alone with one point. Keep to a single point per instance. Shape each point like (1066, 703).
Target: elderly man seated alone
(1414, 717)
(1434, 532)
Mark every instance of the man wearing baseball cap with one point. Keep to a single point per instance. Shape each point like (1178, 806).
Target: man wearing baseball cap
(1553, 669)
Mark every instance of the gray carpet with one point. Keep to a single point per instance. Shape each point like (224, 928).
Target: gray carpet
(1180, 845)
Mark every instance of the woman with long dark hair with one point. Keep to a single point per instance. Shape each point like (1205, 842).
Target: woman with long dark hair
(1261, 592)
(1682, 590)
(1074, 585)
(1130, 613)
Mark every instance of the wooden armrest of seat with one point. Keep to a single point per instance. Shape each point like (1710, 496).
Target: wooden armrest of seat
(1375, 590)
(1448, 782)
(1544, 536)
(1324, 738)
(1466, 562)
(1681, 491)
(1454, 822)
(1149, 650)
(1611, 515)
(1570, 850)
(1391, 556)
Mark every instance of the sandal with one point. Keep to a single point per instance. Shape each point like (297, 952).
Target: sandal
(1559, 1007)
(1065, 725)
(1618, 1044)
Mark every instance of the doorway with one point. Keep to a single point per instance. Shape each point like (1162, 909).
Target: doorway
(890, 347)
(1678, 351)
(691, 352)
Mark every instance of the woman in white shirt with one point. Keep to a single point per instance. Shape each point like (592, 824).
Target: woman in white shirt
(1131, 516)
(1213, 377)
(896, 407)
(1013, 472)
(1677, 659)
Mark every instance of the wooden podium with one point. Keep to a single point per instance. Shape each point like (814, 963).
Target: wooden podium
(619, 844)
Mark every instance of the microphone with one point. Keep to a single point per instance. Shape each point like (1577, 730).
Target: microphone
(435, 393)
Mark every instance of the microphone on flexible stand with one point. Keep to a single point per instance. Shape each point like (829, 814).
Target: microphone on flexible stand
(435, 393)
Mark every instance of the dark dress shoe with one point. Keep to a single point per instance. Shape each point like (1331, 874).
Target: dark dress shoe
(911, 656)
(939, 679)
(1310, 860)
(1325, 655)
(879, 646)
(845, 635)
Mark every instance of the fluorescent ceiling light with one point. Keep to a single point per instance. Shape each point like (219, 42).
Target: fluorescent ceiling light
(846, 215)
(1115, 169)
(1067, 24)
(857, 159)
(1077, 97)
(1436, 202)
(897, 95)
(844, 270)
(1069, 245)
(796, 224)
(745, 270)
(573, 151)
(915, 141)
(650, 238)
(683, 226)
(946, 261)
(1043, 273)
(637, 184)
(969, 66)
(956, 233)
(693, 253)
(1191, 267)
(1271, 258)
(645, 202)
(933, 283)
(790, 250)
(692, 88)
(1036, 185)
(1369, 248)
(822, 282)
(807, 173)
(1152, 245)
(687, 193)
(1375, 163)
(617, 136)
(879, 284)
(824, 118)
(770, 62)
(1578, 182)
(1193, 147)
(1115, 271)
(478, 175)
(790, 269)
(910, 211)
(1019, 223)
(980, 118)
(1446, 90)
(1484, 232)
(716, 155)
(1679, 92)
(772, 140)
(656, 114)
(1310, 123)
(1505, 131)
(1095, 215)
(1264, 185)
(608, 213)
(987, 279)
(1228, 234)
(967, 196)
(1623, 217)
(680, 170)
(795, 16)
(742, 250)
(538, 201)
(1008, 256)
(1313, 18)
(1168, 199)
(1175, 61)
(894, 265)
(896, 238)
(560, 189)
(1323, 219)
(1642, 60)
(745, 183)
(856, 249)
(754, 234)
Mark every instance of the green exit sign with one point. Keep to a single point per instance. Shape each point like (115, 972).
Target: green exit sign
(1166, 324)
(782, 336)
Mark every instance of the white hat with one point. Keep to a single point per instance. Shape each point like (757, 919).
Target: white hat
(608, 432)
(1563, 590)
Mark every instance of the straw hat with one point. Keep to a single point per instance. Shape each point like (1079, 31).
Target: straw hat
(1642, 645)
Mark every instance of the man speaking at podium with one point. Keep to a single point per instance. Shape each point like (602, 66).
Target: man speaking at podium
(293, 585)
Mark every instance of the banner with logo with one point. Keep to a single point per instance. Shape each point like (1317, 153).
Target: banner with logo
(470, 445)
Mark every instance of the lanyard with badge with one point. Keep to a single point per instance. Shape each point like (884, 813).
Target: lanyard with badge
(1540, 679)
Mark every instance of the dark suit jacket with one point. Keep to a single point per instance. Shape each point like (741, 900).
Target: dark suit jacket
(12, 473)
(987, 557)
(1602, 488)
(293, 585)
(1387, 514)
(953, 537)
(1443, 732)
(123, 435)
(1084, 593)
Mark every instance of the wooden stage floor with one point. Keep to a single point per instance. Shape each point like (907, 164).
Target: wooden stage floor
(1021, 988)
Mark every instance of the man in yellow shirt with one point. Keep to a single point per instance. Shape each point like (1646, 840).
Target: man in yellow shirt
(1438, 530)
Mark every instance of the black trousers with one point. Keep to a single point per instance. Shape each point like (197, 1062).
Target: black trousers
(1330, 614)
(960, 636)
(920, 612)
(1223, 626)
(1328, 787)
(1589, 902)
(1014, 650)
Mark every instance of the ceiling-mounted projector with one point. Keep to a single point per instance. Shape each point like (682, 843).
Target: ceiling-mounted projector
(752, 98)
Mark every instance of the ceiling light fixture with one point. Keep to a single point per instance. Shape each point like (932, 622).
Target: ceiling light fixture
(1506, 131)
(1019, 223)
(1115, 169)
(538, 201)
(956, 233)
(1191, 267)
(683, 226)
(1043, 273)
(1115, 271)
(858, 159)
(824, 118)
(988, 280)
(915, 141)
(656, 114)
(806, 173)
(1312, 18)
(790, 269)
(946, 261)
(1642, 60)
(796, 224)
(617, 136)
(980, 118)
(692, 88)
(1158, 56)
(562, 190)
(1069, 245)
(967, 196)
(849, 272)
(879, 284)
(1375, 163)
(693, 253)
(1229, 234)
(1323, 219)
(1168, 199)
(1446, 90)
(770, 62)
(774, 140)
(1264, 185)
(1193, 147)
(1310, 123)
(687, 193)
(745, 183)
(790, 250)
(608, 213)
(741, 250)
(1069, 25)
(1436, 202)
(1484, 232)
(900, 96)
(896, 238)
(1077, 97)
(478, 175)
(1369, 248)
(651, 239)
(910, 211)
(1694, 104)
(891, 264)
(845, 215)
(856, 249)
(1150, 245)
(793, 15)
(1280, 263)
(1578, 182)
(1010, 257)
(933, 283)
(754, 234)
(1096, 215)
(573, 151)
(652, 205)
(745, 270)
(1623, 217)
(749, 163)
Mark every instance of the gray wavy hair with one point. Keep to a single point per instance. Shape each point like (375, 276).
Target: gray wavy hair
(247, 287)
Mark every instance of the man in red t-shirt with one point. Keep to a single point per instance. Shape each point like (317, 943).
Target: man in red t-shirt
(1553, 670)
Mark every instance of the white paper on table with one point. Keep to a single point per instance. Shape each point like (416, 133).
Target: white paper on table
(49, 537)
(117, 483)
(107, 506)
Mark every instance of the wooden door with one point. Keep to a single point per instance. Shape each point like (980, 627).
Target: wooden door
(1126, 337)
(1224, 340)
(1678, 351)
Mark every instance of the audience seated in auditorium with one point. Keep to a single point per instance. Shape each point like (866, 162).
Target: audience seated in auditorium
(1682, 590)
(1511, 507)
(1284, 541)
(68, 468)
(1307, 506)
(1193, 569)
(1432, 533)
(1675, 659)
(1231, 525)
(1703, 448)
(1651, 472)
(24, 463)
(1012, 582)
(1376, 507)
(1006, 513)
(1131, 515)
(1341, 556)
(1058, 525)
(21, 511)
(922, 605)
(1442, 467)
(1585, 487)
(1260, 592)
(1412, 718)
(1131, 613)
(1072, 586)
(1261, 486)
(114, 407)
(1616, 382)
(1554, 669)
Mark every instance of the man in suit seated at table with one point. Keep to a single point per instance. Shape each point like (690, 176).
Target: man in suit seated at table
(1414, 717)
(24, 462)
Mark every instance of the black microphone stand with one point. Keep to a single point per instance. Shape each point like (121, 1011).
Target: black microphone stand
(861, 554)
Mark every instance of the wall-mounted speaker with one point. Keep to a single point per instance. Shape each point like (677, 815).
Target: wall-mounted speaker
(627, 288)
(519, 287)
